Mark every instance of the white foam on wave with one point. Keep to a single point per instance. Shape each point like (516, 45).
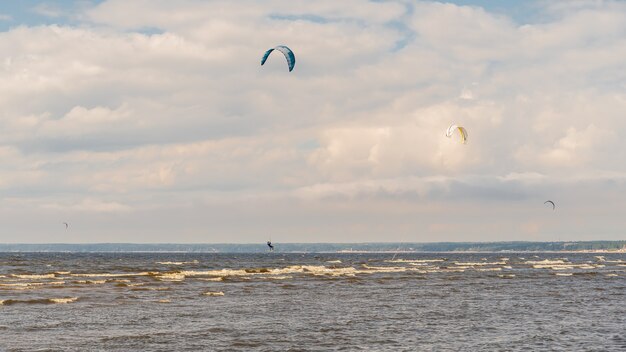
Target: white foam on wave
(488, 269)
(415, 260)
(545, 262)
(285, 277)
(447, 270)
(563, 274)
(612, 275)
(294, 269)
(170, 277)
(213, 293)
(565, 266)
(33, 276)
(334, 261)
(30, 285)
(506, 276)
(479, 263)
(386, 269)
(560, 264)
(319, 270)
(178, 263)
(221, 272)
(64, 300)
(145, 273)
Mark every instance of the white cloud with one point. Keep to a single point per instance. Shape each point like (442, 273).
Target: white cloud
(162, 108)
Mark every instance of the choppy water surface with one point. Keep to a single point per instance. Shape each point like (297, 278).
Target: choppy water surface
(312, 302)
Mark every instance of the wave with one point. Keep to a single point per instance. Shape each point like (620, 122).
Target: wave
(324, 271)
(63, 300)
(562, 265)
(306, 269)
(211, 279)
(277, 277)
(334, 261)
(480, 263)
(506, 276)
(142, 288)
(170, 277)
(34, 276)
(488, 269)
(415, 260)
(144, 273)
(124, 284)
(386, 269)
(89, 282)
(213, 293)
(30, 285)
(221, 272)
(178, 263)
(545, 262)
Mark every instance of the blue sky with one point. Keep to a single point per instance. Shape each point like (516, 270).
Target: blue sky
(34, 12)
(153, 121)
(63, 12)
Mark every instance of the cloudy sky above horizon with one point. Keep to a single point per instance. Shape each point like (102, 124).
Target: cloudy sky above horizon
(152, 121)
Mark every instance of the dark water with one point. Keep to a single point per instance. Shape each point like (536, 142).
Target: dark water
(312, 302)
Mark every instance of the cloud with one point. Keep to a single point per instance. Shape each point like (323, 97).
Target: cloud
(156, 109)
(89, 205)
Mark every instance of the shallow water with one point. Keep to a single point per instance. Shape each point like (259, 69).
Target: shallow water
(312, 302)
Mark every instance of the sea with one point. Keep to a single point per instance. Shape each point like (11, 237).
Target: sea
(312, 302)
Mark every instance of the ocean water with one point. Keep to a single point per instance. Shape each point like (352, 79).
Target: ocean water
(312, 302)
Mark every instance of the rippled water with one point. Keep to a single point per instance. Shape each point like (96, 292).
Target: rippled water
(312, 302)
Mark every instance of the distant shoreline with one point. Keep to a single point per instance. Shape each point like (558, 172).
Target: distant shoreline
(339, 248)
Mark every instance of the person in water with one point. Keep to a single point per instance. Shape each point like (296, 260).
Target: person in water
(269, 244)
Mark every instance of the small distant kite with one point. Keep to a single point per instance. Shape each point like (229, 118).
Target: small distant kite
(461, 130)
(66, 225)
(291, 58)
(551, 202)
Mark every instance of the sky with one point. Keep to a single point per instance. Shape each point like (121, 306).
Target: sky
(153, 121)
